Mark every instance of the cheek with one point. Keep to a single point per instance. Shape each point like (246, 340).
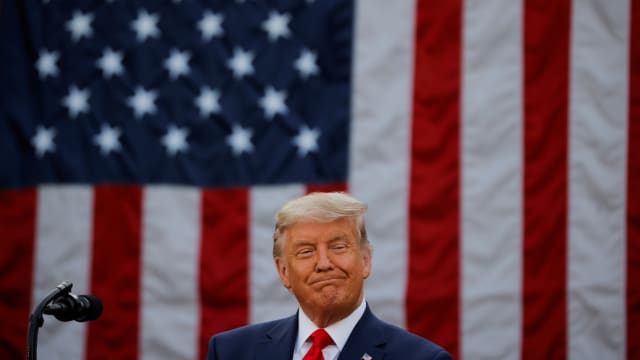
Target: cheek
(300, 270)
(284, 272)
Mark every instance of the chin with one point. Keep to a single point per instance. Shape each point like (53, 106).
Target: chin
(332, 299)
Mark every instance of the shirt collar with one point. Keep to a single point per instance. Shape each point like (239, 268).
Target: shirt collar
(338, 331)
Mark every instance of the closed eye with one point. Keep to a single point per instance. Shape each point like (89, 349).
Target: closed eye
(304, 252)
(339, 247)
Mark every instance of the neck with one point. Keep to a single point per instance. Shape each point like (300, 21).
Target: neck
(323, 320)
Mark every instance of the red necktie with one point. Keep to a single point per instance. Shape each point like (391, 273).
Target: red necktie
(320, 340)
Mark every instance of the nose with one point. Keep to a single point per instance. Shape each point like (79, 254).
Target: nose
(323, 262)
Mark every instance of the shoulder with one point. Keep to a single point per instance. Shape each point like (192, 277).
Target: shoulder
(401, 341)
(254, 331)
(238, 343)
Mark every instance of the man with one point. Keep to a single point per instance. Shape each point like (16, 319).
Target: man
(323, 257)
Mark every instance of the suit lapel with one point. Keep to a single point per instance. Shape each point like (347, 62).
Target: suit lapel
(367, 337)
(279, 341)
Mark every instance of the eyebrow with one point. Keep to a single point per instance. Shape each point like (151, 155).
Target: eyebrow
(299, 243)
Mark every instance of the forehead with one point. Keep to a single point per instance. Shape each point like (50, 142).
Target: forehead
(316, 230)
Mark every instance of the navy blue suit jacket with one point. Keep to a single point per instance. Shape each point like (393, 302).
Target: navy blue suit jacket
(276, 339)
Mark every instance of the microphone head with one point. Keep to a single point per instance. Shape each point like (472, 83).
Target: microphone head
(75, 307)
(92, 307)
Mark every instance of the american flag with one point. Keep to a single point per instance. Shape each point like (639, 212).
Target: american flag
(146, 146)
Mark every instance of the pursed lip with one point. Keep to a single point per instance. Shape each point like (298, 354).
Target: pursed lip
(326, 280)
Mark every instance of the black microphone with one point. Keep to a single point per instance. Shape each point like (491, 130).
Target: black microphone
(75, 307)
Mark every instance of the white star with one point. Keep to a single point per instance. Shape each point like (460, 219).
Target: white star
(208, 101)
(80, 25)
(46, 63)
(110, 63)
(108, 139)
(306, 140)
(240, 140)
(42, 141)
(210, 25)
(175, 140)
(177, 63)
(273, 102)
(277, 25)
(143, 102)
(146, 25)
(306, 63)
(241, 63)
(76, 101)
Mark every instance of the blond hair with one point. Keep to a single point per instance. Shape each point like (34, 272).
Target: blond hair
(321, 207)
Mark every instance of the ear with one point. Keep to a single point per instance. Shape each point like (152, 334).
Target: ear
(366, 259)
(281, 266)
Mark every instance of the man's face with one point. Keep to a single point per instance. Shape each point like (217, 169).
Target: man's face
(325, 267)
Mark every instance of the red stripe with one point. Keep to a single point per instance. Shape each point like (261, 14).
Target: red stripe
(327, 187)
(224, 264)
(633, 190)
(546, 88)
(432, 298)
(17, 230)
(115, 271)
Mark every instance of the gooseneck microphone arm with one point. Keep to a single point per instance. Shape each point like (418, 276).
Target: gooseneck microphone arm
(65, 306)
(36, 320)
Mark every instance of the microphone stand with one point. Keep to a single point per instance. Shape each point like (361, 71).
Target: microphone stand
(36, 320)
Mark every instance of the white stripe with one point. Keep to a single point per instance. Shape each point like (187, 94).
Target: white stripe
(269, 299)
(597, 174)
(380, 141)
(62, 252)
(491, 180)
(170, 263)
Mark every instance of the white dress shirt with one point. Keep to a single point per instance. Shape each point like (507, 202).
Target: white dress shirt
(339, 332)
